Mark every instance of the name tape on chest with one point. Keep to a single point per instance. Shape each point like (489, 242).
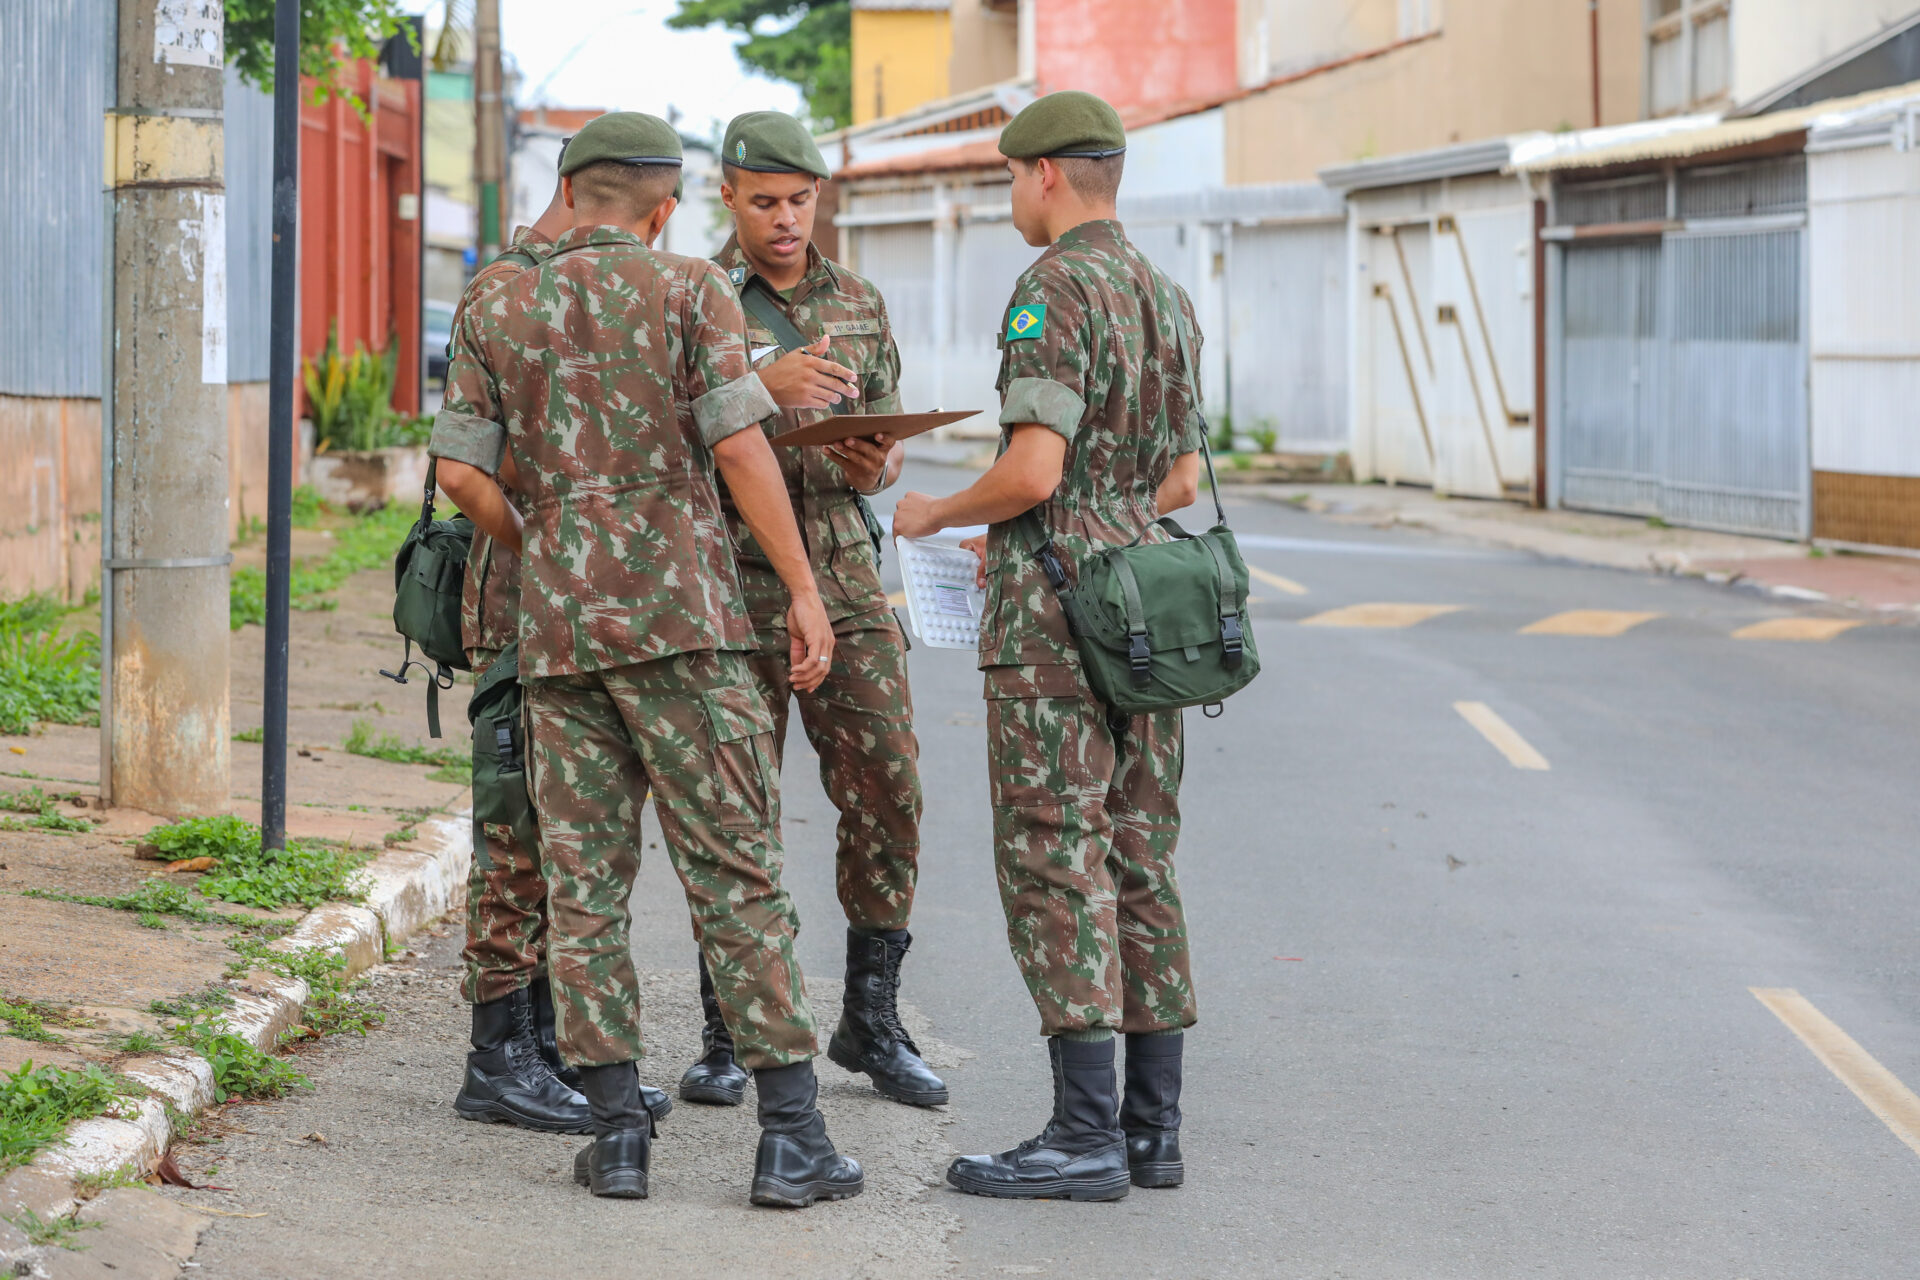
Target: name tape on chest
(1029, 320)
(850, 328)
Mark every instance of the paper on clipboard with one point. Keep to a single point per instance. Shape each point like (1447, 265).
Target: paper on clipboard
(944, 606)
(847, 426)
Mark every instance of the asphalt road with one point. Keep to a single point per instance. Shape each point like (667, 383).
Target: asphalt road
(1458, 1017)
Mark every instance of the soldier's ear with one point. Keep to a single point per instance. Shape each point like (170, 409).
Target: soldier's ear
(566, 191)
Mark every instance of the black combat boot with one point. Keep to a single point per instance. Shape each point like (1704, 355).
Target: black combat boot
(615, 1163)
(508, 1082)
(715, 1077)
(870, 1039)
(1150, 1114)
(796, 1163)
(1080, 1155)
(546, 1035)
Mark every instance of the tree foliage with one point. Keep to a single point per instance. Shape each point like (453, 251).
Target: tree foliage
(807, 43)
(334, 34)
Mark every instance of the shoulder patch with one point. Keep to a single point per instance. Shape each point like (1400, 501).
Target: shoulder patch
(738, 275)
(1027, 321)
(851, 328)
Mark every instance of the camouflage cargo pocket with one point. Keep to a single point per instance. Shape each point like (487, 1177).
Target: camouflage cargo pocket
(740, 743)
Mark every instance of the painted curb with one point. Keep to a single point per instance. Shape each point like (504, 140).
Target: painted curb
(411, 889)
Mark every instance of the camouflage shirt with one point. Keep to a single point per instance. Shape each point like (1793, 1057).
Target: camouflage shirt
(1090, 348)
(832, 301)
(610, 372)
(490, 594)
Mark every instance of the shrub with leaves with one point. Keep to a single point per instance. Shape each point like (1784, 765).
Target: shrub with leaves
(333, 35)
(44, 676)
(239, 1069)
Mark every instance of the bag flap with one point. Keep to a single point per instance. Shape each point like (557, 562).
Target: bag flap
(1179, 590)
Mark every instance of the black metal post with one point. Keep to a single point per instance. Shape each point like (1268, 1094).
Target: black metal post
(280, 439)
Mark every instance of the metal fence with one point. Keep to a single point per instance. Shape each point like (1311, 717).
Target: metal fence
(55, 57)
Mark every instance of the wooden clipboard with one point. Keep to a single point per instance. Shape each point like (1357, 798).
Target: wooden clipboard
(851, 425)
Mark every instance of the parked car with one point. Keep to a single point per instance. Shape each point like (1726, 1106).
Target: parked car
(436, 336)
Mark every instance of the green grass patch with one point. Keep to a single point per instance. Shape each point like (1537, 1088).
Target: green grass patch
(256, 734)
(213, 996)
(364, 542)
(306, 873)
(35, 1020)
(45, 676)
(137, 1042)
(155, 897)
(453, 764)
(42, 805)
(239, 1069)
(37, 1104)
(62, 1231)
(333, 1004)
(88, 1185)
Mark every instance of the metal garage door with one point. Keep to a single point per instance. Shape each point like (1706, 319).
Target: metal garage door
(1684, 387)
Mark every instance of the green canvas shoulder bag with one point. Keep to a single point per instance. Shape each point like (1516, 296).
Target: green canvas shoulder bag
(1158, 625)
(427, 574)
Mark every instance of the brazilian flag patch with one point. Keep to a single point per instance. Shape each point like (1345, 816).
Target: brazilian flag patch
(1028, 321)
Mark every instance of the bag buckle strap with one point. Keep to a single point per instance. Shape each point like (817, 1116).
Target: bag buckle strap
(1232, 641)
(1140, 659)
(503, 747)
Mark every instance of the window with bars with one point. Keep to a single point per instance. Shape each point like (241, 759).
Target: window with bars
(1689, 56)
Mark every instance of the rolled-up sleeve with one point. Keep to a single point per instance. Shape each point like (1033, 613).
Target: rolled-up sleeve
(1054, 406)
(731, 407)
(478, 442)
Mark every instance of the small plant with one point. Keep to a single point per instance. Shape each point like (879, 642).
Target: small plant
(308, 507)
(37, 1104)
(88, 1185)
(31, 1019)
(454, 764)
(1222, 441)
(213, 836)
(256, 734)
(239, 1069)
(137, 1042)
(212, 996)
(306, 872)
(33, 799)
(62, 1231)
(351, 397)
(1265, 436)
(1655, 522)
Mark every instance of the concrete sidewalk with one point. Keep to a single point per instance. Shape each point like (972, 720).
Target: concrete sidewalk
(1792, 570)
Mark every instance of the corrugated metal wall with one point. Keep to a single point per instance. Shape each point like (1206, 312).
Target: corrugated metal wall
(53, 93)
(1684, 375)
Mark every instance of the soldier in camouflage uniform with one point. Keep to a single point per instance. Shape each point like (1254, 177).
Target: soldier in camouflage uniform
(606, 386)
(1101, 419)
(506, 963)
(860, 721)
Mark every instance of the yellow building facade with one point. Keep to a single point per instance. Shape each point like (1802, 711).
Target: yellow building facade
(901, 52)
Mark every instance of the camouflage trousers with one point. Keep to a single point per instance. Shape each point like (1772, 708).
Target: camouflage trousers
(694, 730)
(506, 904)
(1084, 826)
(860, 722)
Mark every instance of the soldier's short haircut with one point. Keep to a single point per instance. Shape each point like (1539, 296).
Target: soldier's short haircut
(630, 191)
(1094, 180)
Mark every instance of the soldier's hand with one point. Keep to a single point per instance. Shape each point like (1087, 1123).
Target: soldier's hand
(863, 461)
(977, 545)
(804, 379)
(913, 516)
(810, 643)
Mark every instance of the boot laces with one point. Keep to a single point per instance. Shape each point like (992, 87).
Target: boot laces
(523, 1051)
(887, 989)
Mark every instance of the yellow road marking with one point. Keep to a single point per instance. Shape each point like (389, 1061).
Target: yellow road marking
(1277, 582)
(1872, 1083)
(1796, 629)
(1504, 737)
(897, 598)
(1587, 622)
(1378, 615)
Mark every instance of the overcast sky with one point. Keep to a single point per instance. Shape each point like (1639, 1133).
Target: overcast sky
(621, 54)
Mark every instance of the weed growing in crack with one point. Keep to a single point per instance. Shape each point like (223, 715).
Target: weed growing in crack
(33, 1019)
(37, 1104)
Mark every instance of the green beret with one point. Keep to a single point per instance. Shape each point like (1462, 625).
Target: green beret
(629, 137)
(772, 142)
(1068, 123)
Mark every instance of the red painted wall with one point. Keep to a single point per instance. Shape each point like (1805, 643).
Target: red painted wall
(359, 259)
(1137, 52)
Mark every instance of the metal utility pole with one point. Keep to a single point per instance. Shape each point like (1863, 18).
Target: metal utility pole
(164, 541)
(284, 327)
(489, 127)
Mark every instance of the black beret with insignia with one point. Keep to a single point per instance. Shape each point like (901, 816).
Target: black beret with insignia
(1068, 123)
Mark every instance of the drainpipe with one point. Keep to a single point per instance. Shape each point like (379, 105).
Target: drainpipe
(1593, 48)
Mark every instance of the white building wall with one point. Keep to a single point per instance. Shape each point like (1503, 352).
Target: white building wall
(1864, 276)
(1775, 40)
